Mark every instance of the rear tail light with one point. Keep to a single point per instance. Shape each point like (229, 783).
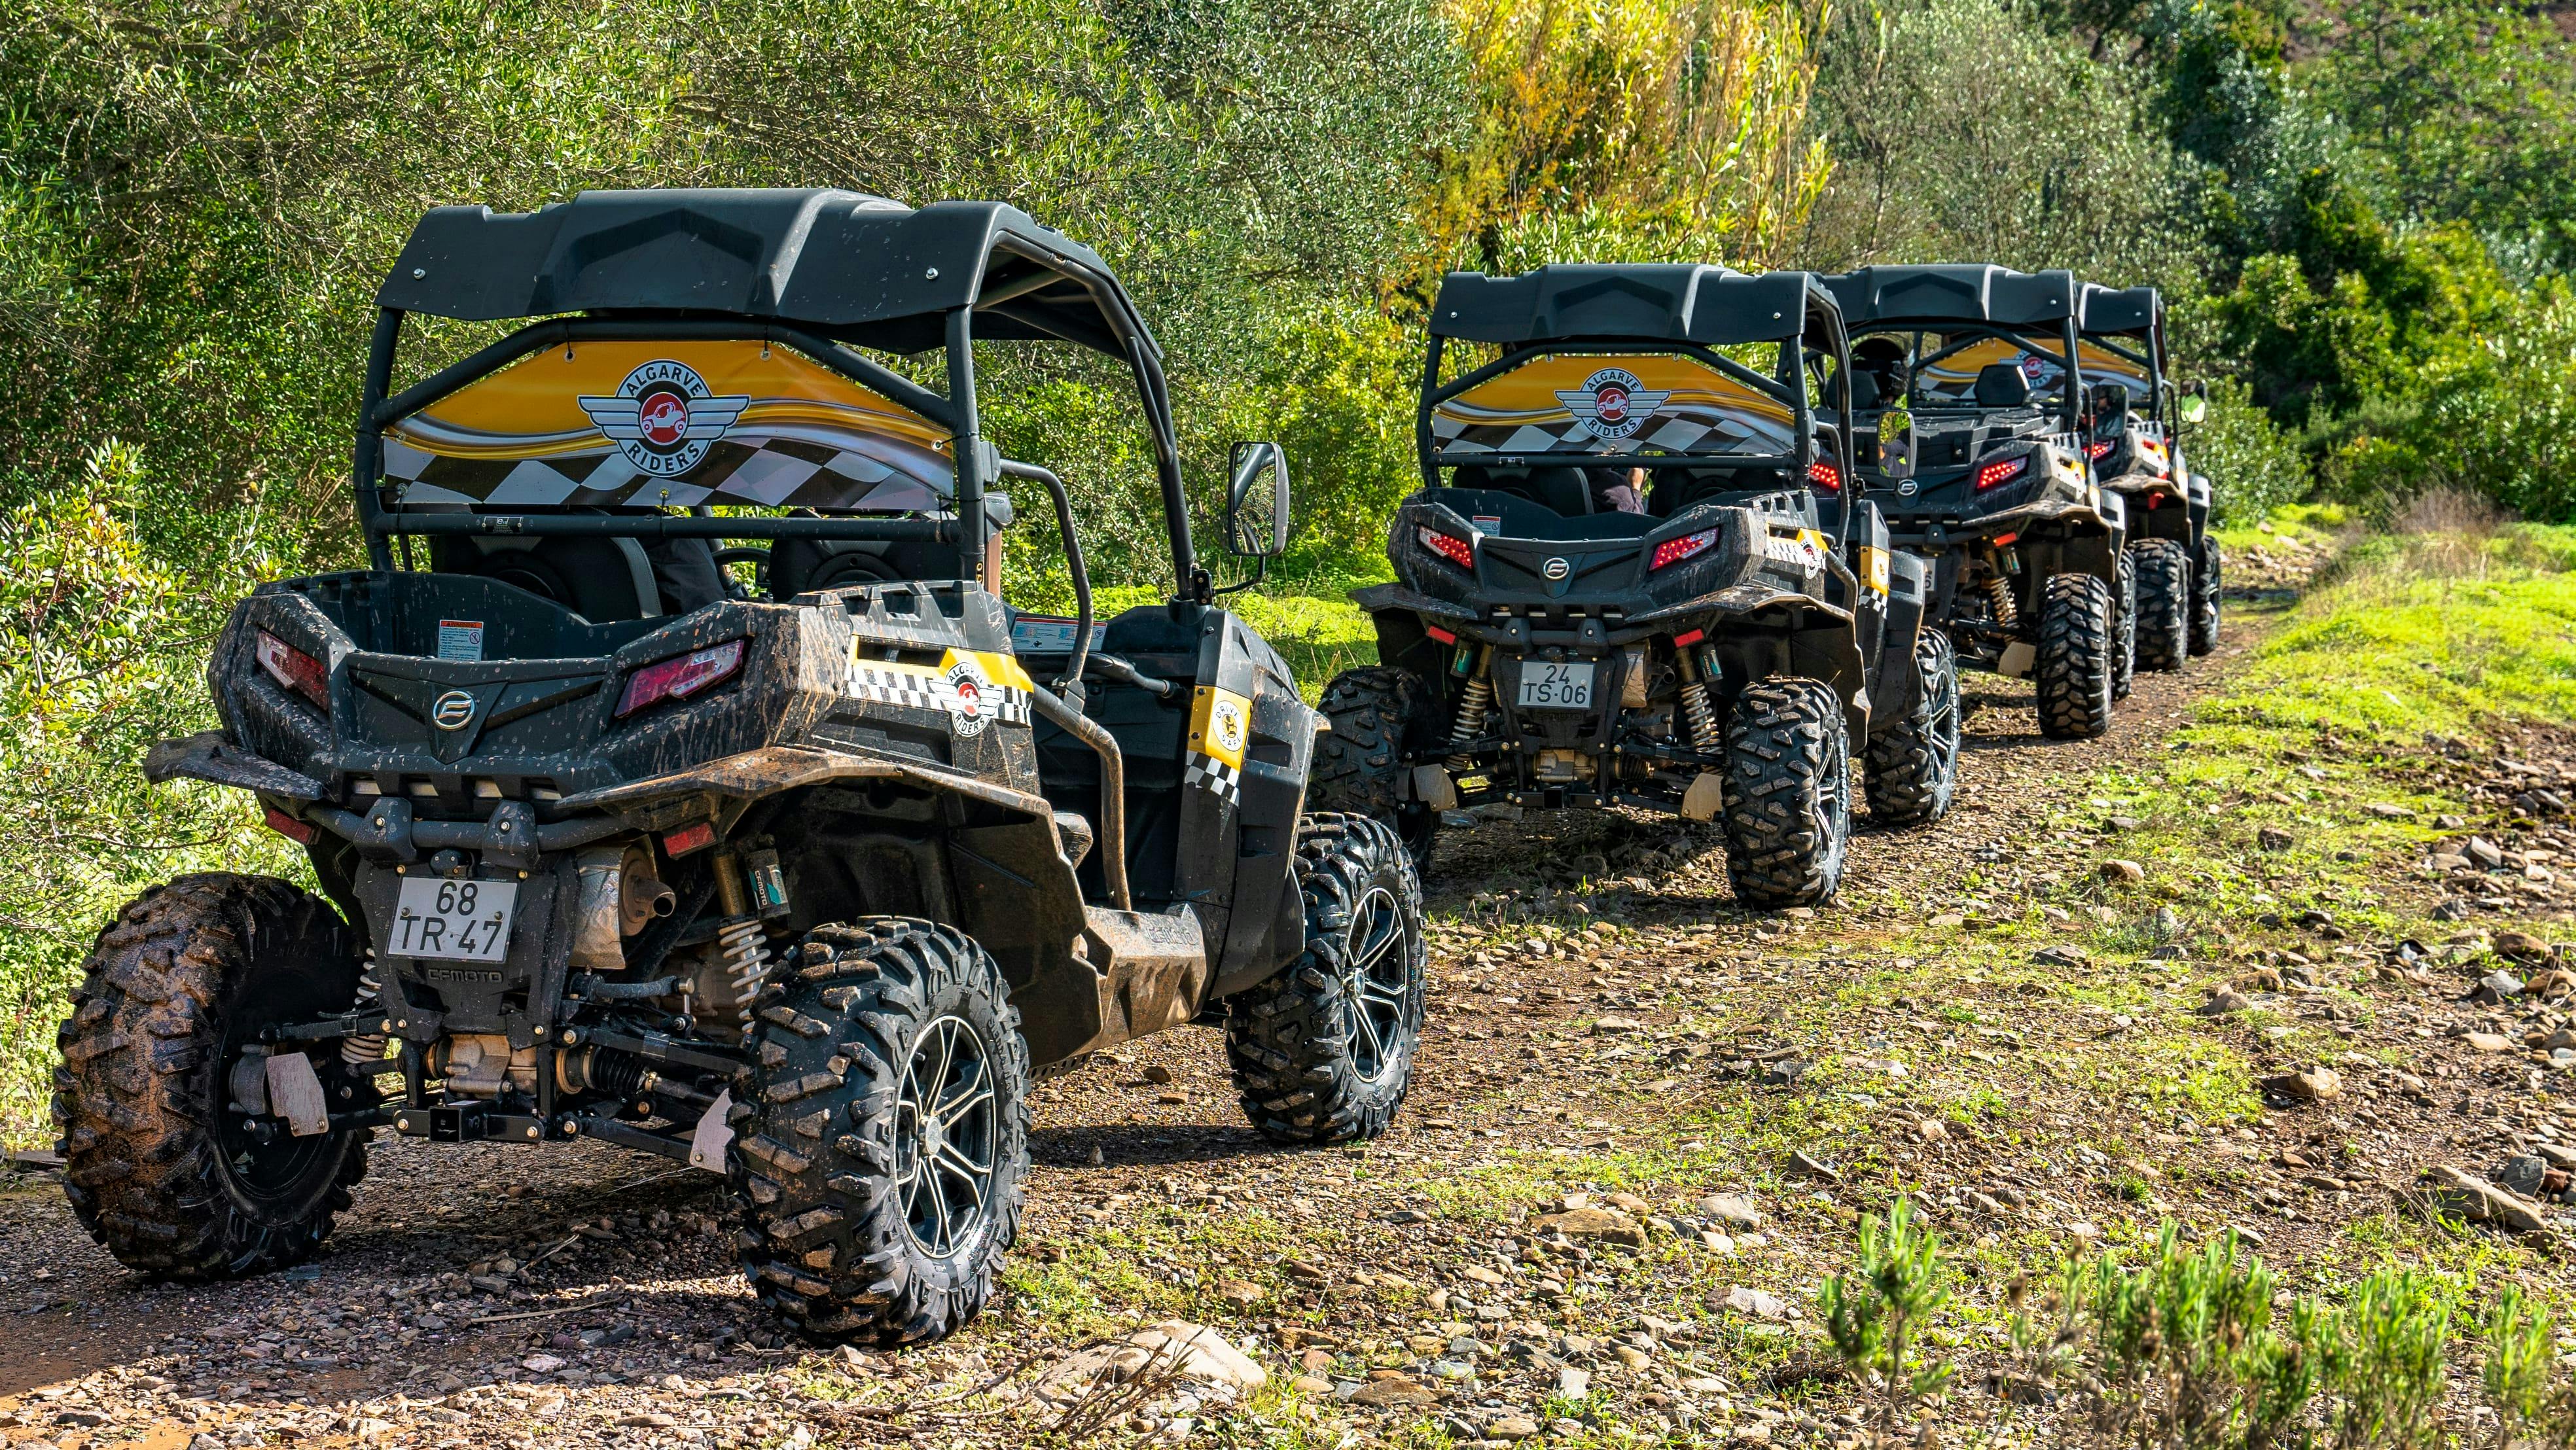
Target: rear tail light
(680, 677)
(1825, 476)
(2002, 471)
(289, 827)
(1456, 550)
(2097, 451)
(296, 670)
(1688, 638)
(1442, 635)
(1688, 546)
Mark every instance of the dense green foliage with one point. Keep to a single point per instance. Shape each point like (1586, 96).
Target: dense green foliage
(2363, 211)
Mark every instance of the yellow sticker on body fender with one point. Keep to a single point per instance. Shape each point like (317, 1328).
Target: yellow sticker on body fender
(973, 688)
(1220, 728)
(1873, 565)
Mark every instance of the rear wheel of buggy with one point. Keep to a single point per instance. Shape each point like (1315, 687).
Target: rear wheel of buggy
(1379, 716)
(881, 1133)
(2077, 638)
(165, 1162)
(1787, 801)
(2164, 603)
(2124, 649)
(1914, 763)
(2204, 599)
(1324, 1051)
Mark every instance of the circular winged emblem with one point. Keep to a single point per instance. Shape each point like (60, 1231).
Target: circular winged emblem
(1556, 568)
(1612, 403)
(663, 417)
(452, 711)
(971, 688)
(1226, 723)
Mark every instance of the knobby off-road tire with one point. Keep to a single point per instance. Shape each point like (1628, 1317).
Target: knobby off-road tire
(1324, 1051)
(2204, 599)
(1914, 763)
(2124, 650)
(2164, 603)
(1379, 714)
(157, 1165)
(2076, 643)
(1787, 799)
(881, 1133)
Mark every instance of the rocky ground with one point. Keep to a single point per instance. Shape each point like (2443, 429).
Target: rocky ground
(1641, 1131)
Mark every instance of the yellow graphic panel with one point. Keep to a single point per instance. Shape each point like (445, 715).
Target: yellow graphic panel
(1570, 403)
(647, 424)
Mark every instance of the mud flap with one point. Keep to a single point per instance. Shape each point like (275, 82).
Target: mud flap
(295, 1094)
(2019, 656)
(1706, 796)
(1432, 786)
(713, 1135)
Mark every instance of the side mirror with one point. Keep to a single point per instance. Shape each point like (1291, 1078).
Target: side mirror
(2194, 408)
(1256, 509)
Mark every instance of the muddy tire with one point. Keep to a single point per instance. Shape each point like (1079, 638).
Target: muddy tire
(1914, 763)
(1379, 714)
(2204, 599)
(2124, 650)
(881, 1133)
(2077, 639)
(2164, 603)
(1324, 1051)
(1787, 801)
(158, 1164)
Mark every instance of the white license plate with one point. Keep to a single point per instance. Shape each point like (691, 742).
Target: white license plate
(1557, 686)
(463, 921)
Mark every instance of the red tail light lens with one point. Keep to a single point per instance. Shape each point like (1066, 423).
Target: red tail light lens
(296, 670)
(2003, 471)
(1825, 476)
(1688, 546)
(289, 827)
(1456, 550)
(2097, 451)
(679, 677)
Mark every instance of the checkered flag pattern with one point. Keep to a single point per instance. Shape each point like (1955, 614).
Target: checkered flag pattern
(1209, 773)
(920, 689)
(1682, 429)
(776, 470)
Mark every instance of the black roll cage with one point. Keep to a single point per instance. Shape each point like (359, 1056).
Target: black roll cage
(2069, 360)
(1790, 390)
(975, 461)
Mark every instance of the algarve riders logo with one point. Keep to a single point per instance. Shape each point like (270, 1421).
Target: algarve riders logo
(663, 417)
(976, 701)
(1611, 404)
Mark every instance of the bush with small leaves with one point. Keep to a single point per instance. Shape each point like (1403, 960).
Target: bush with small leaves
(1875, 1315)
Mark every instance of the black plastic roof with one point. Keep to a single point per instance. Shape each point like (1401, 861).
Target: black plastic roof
(2132, 310)
(1995, 296)
(854, 267)
(1674, 303)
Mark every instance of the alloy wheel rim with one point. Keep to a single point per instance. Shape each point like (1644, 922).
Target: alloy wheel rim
(947, 1130)
(1377, 983)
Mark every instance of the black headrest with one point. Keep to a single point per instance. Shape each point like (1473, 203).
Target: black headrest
(1864, 390)
(2002, 385)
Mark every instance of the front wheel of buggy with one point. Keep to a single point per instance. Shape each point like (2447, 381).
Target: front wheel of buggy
(1787, 798)
(1914, 763)
(2077, 638)
(2164, 603)
(881, 1133)
(1324, 1051)
(165, 1161)
(2204, 600)
(1380, 715)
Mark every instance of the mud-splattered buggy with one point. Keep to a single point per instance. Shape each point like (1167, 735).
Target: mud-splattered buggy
(1635, 576)
(2133, 417)
(800, 883)
(1968, 440)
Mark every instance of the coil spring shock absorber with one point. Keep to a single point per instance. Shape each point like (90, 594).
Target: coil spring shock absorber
(744, 943)
(1473, 707)
(1699, 713)
(1999, 596)
(365, 1049)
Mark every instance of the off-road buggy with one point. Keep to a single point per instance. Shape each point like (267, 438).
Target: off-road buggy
(801, 887)
(1967, 403)
(2133, 418)
(1635, 576)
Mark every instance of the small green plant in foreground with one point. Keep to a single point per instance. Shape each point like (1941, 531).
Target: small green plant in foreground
(1875, 1315)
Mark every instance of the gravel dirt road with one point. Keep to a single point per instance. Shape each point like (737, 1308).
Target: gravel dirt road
(1604, 1025)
